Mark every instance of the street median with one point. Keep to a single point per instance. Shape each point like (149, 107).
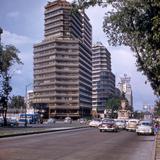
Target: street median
(12, 132)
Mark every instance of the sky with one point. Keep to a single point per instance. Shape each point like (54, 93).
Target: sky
(23, 26)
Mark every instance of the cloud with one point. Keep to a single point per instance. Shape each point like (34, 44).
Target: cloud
(15, 39)
(122, 60)
(13, 14)
(19, 72)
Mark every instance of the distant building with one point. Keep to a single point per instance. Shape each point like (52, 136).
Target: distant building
(117, 92)
(30, 97)
(62, 63)
(125, 87)
(103, 80)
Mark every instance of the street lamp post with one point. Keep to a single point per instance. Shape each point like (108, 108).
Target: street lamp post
(1, 31)
(26, 87)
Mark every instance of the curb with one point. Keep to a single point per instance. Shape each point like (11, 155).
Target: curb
(41, 132)
(154, 148)
(157, 151)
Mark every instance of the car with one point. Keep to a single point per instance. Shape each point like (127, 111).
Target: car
(132, 124)
(1, 121)
(12, 121)
(82, 121)
(108, 125)
(121, 123)
(28, 118)
(51, 121)
(95, 122)
(145, 127)
(68, 120)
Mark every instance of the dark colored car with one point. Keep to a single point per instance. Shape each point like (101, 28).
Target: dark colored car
(108, 125)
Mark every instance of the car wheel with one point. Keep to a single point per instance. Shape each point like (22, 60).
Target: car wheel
(152, 134)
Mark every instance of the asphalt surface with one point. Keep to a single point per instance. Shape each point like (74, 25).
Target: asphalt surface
(82, 144)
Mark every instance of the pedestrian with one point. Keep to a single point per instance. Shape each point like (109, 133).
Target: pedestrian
(156, 127)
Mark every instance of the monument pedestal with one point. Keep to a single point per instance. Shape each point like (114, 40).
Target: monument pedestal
(124, 114)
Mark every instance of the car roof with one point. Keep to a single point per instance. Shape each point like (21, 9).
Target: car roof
(146, 121)
(133, 120)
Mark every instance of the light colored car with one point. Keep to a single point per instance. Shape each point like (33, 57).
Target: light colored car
(51, 121)
(82, 121)
(68, 120)
(12, 121)
(1, 121)
(132, 124)
(145, 127)
(121, 123)
(95, 122)
(108, 125)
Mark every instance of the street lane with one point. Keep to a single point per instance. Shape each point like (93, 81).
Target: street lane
(84, 144)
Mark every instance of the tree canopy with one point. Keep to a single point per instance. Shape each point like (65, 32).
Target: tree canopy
(17, 102)
(134, 23)
(113, 104)
(8, 58)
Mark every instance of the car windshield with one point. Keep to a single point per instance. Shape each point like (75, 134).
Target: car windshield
(108, 121)
(96, 120)
(132, 121)
(120, 121)
(146, 124)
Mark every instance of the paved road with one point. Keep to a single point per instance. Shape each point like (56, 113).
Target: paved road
(83, 144)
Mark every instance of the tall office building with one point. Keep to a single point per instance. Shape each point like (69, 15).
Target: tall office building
(63, 63)
(103, 80)
(125, 87)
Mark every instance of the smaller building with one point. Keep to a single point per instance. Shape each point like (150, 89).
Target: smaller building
(103, 80)
(29, 101)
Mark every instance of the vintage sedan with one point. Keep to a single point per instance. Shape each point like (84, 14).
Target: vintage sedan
(108, 125)
(145, 127)
(68, 120)
(1, 121)
(121, 123)
(95, 122)
(51, 121)
(132, 124)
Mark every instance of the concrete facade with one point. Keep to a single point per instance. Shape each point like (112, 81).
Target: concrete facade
(103, 80)
(62, 63)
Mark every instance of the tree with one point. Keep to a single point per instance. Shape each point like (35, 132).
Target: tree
(138, 114)
(17, 102)
(157, 108)
(8, 58)
(134, 23)
(113, 104)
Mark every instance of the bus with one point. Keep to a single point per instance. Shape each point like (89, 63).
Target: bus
(30, 118)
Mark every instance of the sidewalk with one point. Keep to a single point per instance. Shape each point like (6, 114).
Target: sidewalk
(157, 146)
(19, 131)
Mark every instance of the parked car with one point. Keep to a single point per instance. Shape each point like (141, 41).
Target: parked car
(121, 123)
(108, 125)
(68, 120)
(132, 124)
(1, 121)
(12, 121)
(145, 127)
(82, 121)
(28, 118)
(95, 122)
(51, 121)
